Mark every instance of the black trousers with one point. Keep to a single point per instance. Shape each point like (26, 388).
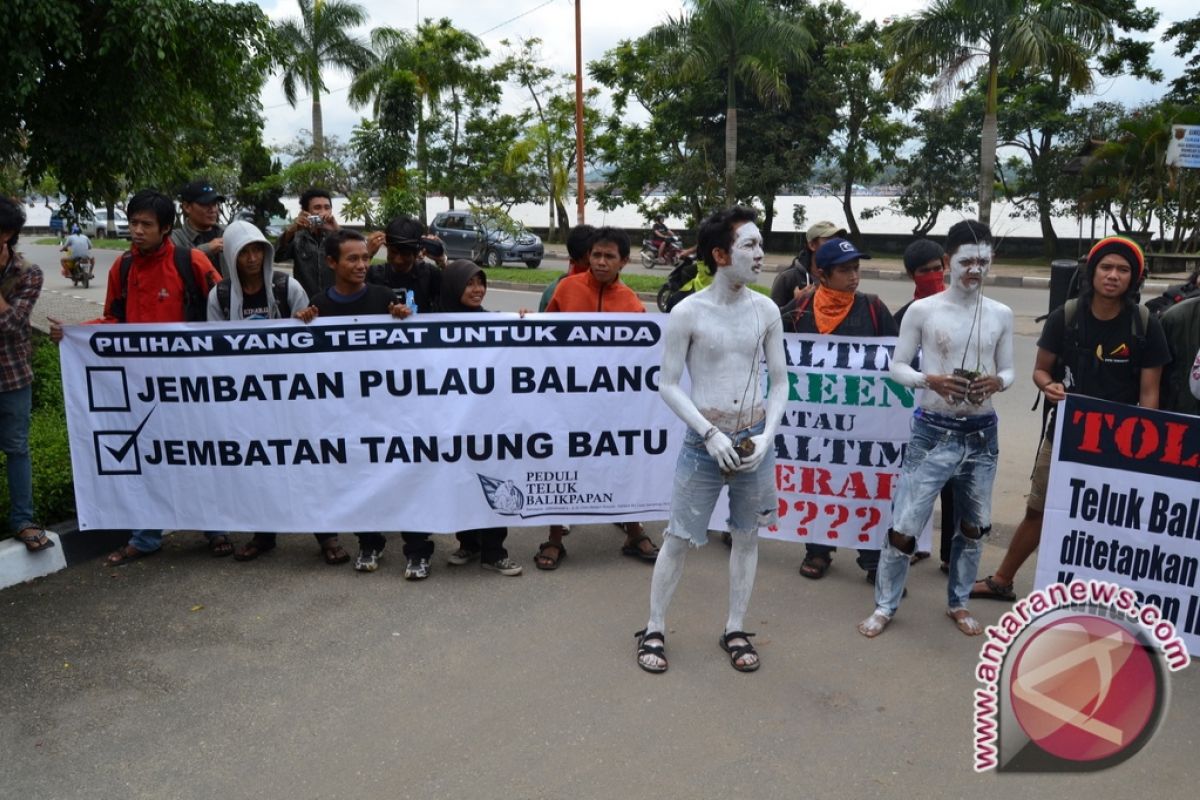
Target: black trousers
(488, 542)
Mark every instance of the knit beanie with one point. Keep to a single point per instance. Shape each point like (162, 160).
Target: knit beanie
(1122, 247)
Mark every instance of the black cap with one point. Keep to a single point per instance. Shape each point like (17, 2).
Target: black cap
(404, 233)
(200, 192)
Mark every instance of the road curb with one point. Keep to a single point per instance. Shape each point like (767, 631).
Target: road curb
(73, 546)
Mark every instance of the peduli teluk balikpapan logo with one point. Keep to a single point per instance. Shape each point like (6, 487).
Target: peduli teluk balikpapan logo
(1074, 680)
(502, 495)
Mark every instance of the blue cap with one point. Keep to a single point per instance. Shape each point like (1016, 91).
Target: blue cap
(836, 251)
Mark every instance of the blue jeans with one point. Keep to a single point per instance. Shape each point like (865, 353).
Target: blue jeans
(753, 501)
(150, 540)
(15, 410)
(942, 450)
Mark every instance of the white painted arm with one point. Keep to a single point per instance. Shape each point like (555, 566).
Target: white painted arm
(1004, 353)
(909, 343)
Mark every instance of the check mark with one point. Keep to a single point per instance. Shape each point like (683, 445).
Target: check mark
(119, 453)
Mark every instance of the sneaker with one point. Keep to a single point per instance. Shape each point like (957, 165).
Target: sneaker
(417, 569)
(505, 566)
(368, 560)
(462, 556)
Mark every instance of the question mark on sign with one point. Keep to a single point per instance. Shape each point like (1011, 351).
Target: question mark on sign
(842, 514)
(873, 516)
(808, 510)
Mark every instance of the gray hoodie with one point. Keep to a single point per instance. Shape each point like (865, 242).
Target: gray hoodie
(238, 235)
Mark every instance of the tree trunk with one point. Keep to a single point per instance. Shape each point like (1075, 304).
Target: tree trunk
(1049, 237)
(730, 136)
(987, 146)
(422, 161)
(318, 125)
(768, 202)
(564, 226)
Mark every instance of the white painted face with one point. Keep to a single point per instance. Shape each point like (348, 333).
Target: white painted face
(969, 266)
(746, 255)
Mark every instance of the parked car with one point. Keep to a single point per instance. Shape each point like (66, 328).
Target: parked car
(466, 237)
(97, 224)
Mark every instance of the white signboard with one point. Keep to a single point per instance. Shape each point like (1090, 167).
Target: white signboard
(1183, 149)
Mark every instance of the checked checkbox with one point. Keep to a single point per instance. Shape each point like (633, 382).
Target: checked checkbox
(117, 451)
(107, 389)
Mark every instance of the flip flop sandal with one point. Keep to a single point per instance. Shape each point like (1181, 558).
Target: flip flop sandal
(35, 539)
(637, 552)
(740, 651)
(220, 546)
(645, 649)
(918, 557)
(815, 567)
(125, 555)
(335, 554)
(994, 591)
(545, 562)
(252, 550)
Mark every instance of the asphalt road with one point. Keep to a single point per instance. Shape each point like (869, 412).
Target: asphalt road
(181, 676)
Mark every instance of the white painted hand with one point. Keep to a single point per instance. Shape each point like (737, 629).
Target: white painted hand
(751, 462)
(720, 447)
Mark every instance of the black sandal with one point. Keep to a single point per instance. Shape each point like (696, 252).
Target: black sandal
(645, 649)
(740, 651)
(815, 566)
(994, 591)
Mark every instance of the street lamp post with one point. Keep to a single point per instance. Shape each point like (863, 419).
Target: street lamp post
(580, 193)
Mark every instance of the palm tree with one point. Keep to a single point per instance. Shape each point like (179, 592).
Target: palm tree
(440, 59)
(743, 42)
(951, 39)
(320, 39)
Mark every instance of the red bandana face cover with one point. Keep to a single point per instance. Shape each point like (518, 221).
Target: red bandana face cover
(928, 284)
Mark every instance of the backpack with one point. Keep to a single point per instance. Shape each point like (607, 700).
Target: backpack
(1174, 294)
(195, 303)
(873, 303)
(279, 285)
(1140, 321)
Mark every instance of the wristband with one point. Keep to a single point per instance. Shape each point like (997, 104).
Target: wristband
(710, 433)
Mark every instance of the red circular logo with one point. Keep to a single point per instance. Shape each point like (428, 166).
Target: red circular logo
(1083, 688)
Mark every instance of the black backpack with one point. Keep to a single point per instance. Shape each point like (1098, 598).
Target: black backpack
(195, 302)
(279, 285)
(1174, 294)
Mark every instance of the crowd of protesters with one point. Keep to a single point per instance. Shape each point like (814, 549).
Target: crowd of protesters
(184, 266)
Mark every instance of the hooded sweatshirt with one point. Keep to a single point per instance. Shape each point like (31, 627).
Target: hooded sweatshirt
(455, 278)
(583, 292)
(237, 236)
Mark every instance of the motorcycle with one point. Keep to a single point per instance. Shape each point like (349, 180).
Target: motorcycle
(79, 270)
(683, 273)
(670, 253)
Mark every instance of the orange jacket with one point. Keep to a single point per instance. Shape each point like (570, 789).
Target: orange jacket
(582, 292)
(155, 291)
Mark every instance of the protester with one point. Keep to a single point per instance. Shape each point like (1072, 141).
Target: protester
(799, 274)
(155, 282)
(598, 289)
(79, 245)
(199, 228)
(721, 334)
(300, 242)
(350, 295)
(464, 287)
(965, 340)
(836, 308)
(20, 287)
(1102, 344)
(405, 269)
(578, 240)
(1181, 327)
(252, 291)
(925, 265)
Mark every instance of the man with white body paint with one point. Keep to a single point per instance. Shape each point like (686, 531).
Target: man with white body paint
(965, 341)
(721, 334)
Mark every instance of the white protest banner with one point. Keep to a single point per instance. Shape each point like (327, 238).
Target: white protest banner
(841, 443)
(438, 423)
(1123, 506)
(1183, 148)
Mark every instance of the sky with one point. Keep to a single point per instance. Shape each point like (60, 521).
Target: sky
(605, 23)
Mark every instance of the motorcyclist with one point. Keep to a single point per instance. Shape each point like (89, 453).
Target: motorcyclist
(79, 245)
(661, 237)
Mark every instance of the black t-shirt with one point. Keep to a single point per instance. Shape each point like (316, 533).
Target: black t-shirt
(1107, 362)
(255, 306)
(370, 300)
(424, 279)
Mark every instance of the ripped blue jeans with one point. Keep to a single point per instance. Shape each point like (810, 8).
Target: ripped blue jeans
(753, 500)
(942, 451)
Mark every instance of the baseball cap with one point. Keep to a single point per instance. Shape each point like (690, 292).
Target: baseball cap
(200, 192)
(836, 251)
(823, 230)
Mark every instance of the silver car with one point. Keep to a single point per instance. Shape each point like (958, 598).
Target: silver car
(464, 237)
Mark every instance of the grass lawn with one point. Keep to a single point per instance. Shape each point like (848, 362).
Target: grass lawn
(97, 244)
